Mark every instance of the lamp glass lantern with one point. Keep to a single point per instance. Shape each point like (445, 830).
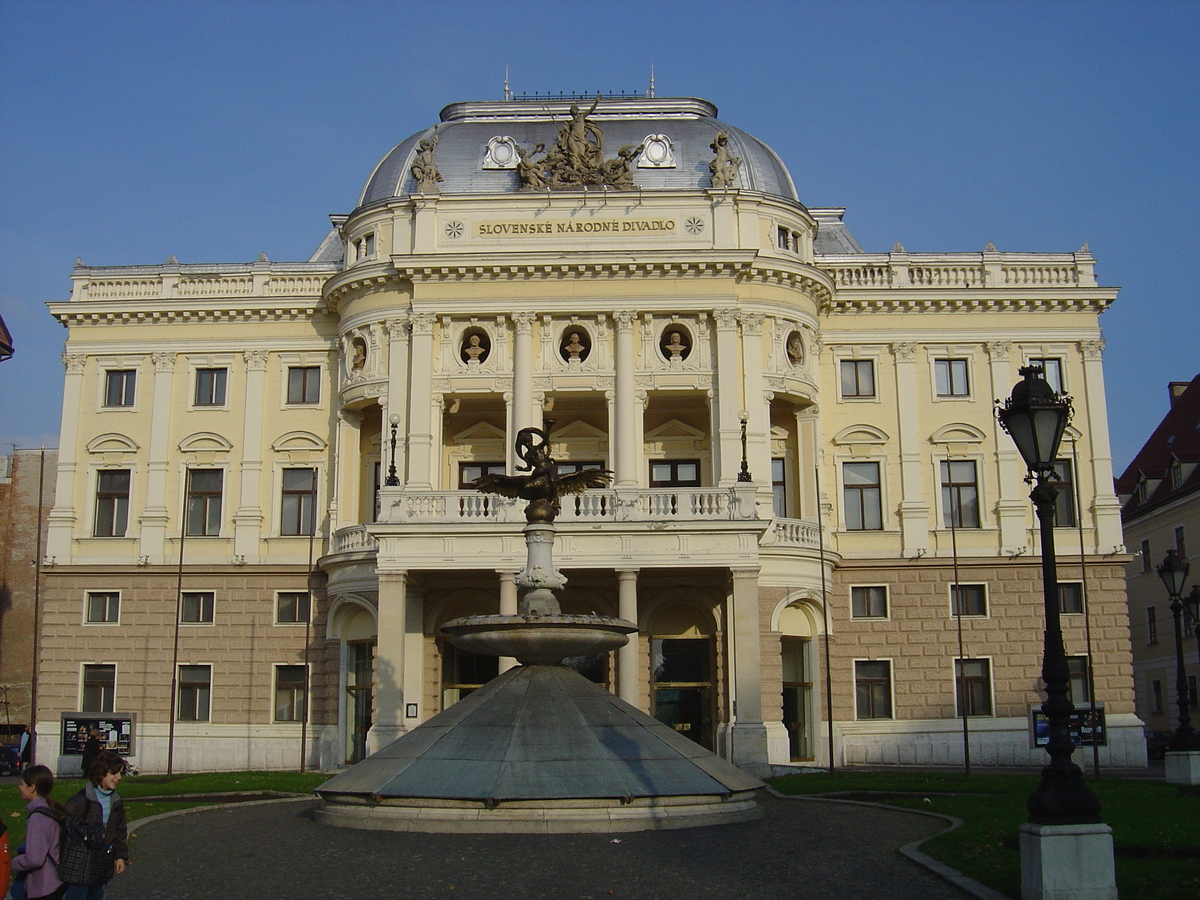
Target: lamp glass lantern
(1036, 418)
(1174, 573)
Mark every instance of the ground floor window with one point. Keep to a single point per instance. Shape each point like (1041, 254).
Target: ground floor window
(290, 690)
(974, 683)
(99, 688)
(683, 686)
(873, 689)
(464, 672)
(797, 696)
(195, 693)
(360, 669)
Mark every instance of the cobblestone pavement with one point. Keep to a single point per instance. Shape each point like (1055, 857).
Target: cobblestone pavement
(801, 849)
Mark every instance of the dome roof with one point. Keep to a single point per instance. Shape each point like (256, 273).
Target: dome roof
(690, 126)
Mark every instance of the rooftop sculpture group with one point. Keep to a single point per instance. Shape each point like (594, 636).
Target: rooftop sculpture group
(577, 158)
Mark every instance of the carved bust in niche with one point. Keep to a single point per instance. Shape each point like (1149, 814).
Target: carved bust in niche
(675, 345)
(475, 348)
(795, 349)
(575, 346)
(358, 354)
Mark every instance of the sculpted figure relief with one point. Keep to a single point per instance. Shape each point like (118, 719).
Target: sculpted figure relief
(576, 158)
(724, 166)
(424, 169)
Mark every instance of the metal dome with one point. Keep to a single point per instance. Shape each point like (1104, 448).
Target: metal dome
(690, 125)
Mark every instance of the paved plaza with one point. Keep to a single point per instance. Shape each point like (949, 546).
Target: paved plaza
(800, 849)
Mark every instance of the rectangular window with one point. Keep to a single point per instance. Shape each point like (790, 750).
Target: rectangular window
(869, 601)
(304, 384)
(99, 688)
(118, 387)
(968, 599)
(1064, 503)
(1070, 597)
(779, 497)
(204, 501)
(289, 693)
(299, 502)
(468, 473)
(103, 607)
(858, 378)
(1145, 551)
(1181, 542)
(974, 687)
(960, 494)
(873, 689)
(291, 607)
(1151, 625)
(862, 495)
(1156, 696)
(197, 607)
(782, 238)
(112, 503)
(195, 693)
(951, 378)
(1052, 371)
(675, 473)
(210, 387)
(1078, 692)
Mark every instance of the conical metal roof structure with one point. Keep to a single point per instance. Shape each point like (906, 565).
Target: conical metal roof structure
(540, 748)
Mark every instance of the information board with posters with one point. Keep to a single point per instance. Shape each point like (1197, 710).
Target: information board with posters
(116, 732)
(1087, 727)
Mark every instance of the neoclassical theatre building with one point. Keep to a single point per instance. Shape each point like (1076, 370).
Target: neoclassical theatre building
(801, 434)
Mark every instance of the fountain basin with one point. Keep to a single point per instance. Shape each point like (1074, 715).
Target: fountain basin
(538, 640)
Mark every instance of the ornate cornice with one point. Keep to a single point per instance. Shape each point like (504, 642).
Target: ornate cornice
(261, 310)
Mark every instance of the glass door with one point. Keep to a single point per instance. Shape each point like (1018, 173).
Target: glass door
(797, 696)
(683, 689)
(359, 697)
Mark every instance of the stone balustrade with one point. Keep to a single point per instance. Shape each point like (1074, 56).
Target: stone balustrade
(959, 270)
(176, 281)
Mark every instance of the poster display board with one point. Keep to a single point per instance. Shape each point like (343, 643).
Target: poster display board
(1087, 727)
(116, 732)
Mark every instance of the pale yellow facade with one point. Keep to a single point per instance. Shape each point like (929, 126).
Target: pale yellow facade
(742, 376)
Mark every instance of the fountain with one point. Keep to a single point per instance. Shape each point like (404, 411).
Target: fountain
(539, 748)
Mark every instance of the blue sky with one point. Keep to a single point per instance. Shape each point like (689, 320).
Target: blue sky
(218, 130)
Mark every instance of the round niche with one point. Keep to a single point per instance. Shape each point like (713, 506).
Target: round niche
(575, 344)
(476, 346)
(675, 344)
(358, 354)
(793, 346)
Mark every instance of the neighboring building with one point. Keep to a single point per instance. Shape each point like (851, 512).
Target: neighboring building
(641, 306)
(26, 498)
(1160, 495)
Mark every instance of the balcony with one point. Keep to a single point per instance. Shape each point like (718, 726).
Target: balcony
(641, 513)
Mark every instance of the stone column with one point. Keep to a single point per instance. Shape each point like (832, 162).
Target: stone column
(508, 606)
(154, 520)
(397, 395)
(758, 403)
(248, 518)
(389, 659)
(420, 425)
(349, 465)
(624, 440)
(61, 521)
(628, 682)
(749, 738)
(1106, 510)
(914, 507)
(808, 457)
(522, 373)
(1012, 507)
(727, 426)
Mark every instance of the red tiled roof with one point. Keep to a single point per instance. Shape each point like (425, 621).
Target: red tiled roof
(1177, 438)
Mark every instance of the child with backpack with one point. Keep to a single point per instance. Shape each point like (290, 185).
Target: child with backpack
(100, 805)
(36, 867)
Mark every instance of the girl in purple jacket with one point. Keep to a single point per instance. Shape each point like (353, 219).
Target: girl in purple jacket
(38, 861)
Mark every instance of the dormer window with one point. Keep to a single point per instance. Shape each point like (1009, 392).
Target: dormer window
(1176, 475)
(1141, 491)
(364, 247)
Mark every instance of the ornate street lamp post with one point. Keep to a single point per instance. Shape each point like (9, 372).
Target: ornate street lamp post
(1174, 572)
(1036, 417)
(744, 475)
(393, 480)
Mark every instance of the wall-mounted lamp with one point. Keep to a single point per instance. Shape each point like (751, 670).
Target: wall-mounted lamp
(744, 474)
(393, 480)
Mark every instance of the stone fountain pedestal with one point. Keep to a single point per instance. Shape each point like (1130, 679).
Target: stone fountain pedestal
(539, 748)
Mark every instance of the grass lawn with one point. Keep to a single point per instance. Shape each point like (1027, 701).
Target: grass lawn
(136, 787)
(1156, 826)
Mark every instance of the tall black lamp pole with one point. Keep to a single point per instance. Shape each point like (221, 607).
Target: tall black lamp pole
(744, 474)
(1036, 417)
(393, 480)
(1174, 572)
(1192, 604)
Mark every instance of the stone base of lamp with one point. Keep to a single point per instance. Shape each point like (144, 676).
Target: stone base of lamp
(1067, 862)
(1182, 766)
